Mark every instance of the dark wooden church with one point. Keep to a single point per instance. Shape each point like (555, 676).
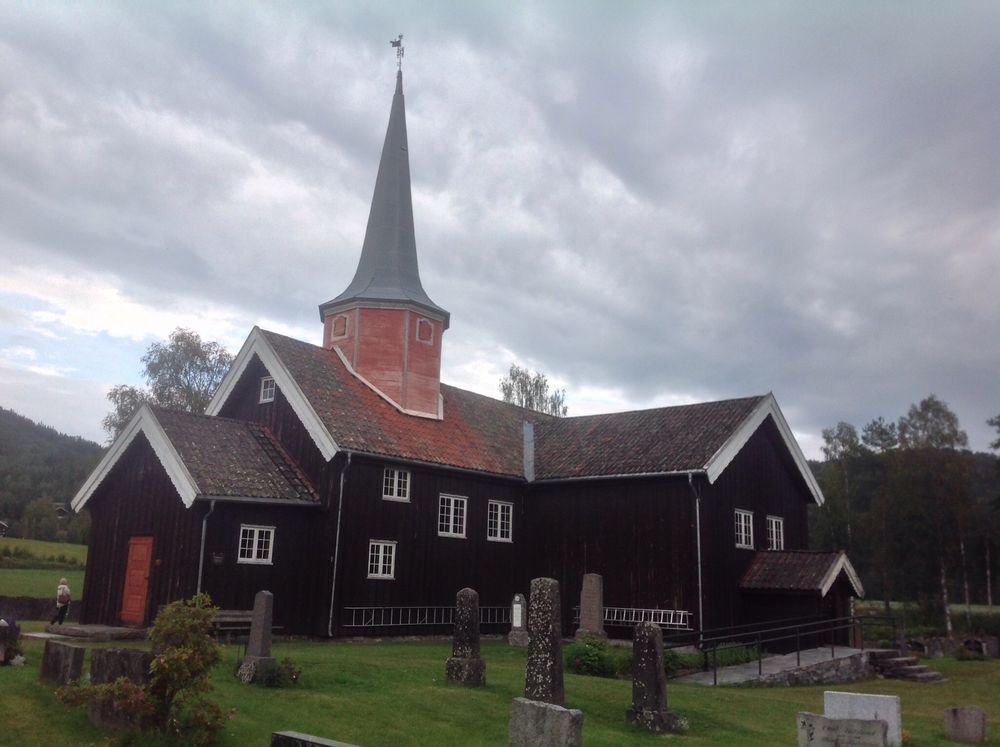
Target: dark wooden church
(363, 492)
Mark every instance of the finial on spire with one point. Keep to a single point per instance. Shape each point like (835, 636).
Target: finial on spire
(398, 44)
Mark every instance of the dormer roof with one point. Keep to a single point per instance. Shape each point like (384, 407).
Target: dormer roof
(387, 273)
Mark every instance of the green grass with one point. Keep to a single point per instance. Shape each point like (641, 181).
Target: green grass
(393, 693)
(34, 582)
(44, 550)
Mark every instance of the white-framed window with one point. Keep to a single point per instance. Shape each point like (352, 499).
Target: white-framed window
(256, 544)
(775, 533)
(451, 516)
(396, 484)
(499, 519)
(266, 389)
(381, 559)
(425, 331)
(744, 528)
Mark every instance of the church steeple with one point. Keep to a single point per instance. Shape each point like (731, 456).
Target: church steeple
(384, 323)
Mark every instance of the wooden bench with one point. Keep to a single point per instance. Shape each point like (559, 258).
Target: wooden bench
(232, 623)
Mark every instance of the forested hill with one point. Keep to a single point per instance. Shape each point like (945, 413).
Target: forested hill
(37, 461)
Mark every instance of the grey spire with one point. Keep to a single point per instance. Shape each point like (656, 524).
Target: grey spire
(387, 271)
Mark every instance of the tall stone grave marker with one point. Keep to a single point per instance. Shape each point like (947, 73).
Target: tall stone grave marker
(518, 635)
(543, 678)
(465, 666)
(592, 607)
(258, 656)
(62, 662)
(649, 683)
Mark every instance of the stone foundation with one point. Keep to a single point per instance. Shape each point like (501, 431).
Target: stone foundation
(537, 724)
(847, 669)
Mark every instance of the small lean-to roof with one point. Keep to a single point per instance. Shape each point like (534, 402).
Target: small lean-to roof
(209, 457)
(801, 571)
(344, 413)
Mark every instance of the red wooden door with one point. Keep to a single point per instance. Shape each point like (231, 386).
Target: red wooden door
(140, 553)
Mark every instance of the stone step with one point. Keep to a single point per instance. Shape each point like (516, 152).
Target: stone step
(883, 653)
(897, 661)
(910, 670)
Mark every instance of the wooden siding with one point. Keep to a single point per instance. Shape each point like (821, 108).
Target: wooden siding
(638, 534)
(760, 479)
(138, 499)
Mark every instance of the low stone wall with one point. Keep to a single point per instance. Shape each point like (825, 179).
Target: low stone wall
(34, 608)
(847, 669)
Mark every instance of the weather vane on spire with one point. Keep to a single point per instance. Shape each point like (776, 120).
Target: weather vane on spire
(398, 44)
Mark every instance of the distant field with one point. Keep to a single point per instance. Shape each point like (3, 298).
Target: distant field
(873, 607)
(46, 550)
(34, 582)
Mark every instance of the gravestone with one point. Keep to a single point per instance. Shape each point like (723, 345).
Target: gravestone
(537, 724)
(592, 607)
(966, 724)
(62, 662)
(518, 635)
(840, 705)
(297, 739)
(258, 656)
(465, 666)
(108, 664)
(649, 683)
(543, 677)
(819, 731)
(4, 633)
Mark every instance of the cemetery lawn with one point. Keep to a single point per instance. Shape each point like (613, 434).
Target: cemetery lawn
(393, 693)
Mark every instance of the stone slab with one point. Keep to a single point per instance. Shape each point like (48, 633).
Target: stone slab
(543, 673)
(259, 645)
(298, 739)
(966, 724)
(537, 724)
(108, 664)
(62, 662)
(862, 706)
(592, 607)
(819, 731)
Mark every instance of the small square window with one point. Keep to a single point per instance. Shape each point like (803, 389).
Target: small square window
(396, 484)
(256, 544)
(499, 518)
(339, 327)
(266, 389)
(382, 559)
(744, 528)
(451, 516)
(775, 533)
(425, 331)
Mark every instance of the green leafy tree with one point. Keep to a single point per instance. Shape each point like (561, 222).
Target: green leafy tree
(995, 422)
(840, 446)
(880, 436)
(38, 520)
(530, 389)
(181, 373)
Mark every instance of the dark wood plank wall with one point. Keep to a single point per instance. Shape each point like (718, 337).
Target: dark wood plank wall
(295, 576)
(137, 498)
(761, 479)
(429, 568)
(638, 534)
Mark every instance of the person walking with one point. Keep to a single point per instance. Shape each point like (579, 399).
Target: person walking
(62, 602)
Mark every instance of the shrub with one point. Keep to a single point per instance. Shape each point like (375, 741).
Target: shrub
(593, 656)
(10, 636)
(282, 674)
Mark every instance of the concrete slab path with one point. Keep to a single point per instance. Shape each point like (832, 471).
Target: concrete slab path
(89, 632)
(737, 673)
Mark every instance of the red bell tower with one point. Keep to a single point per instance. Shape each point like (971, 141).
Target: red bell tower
(384, 324)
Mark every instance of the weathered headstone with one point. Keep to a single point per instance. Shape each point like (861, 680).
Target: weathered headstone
(297, 739)
(465, 666)
(537, 724)
(4, 633)
(543, 677)
(62, 662)
(518, 635)
(108, 664)
(258, 656)
(840, 705)
(819, 731)
(966, 724)
(592, 607)
(992, 646)
(649, 683)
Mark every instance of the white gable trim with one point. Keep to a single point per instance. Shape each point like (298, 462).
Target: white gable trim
(257, 344)
(144, 421)
(842, 564)
(737, 440)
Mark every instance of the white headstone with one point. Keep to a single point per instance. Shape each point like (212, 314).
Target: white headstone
(858, 705)
(515, 615)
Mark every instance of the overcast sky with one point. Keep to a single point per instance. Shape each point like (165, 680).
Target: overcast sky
(654, 203)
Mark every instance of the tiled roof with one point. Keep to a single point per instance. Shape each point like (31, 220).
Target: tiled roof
(789, 570)
(484, 434)
(233, 459)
